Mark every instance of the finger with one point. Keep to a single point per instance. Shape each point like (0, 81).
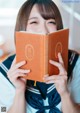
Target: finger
(53, 77)
(51, 81)
(18, 71)
(17, 75)
(60, 59)
(18, 65)
(46, 75)
(57, 64)
(53, 63)
(23, 79)
(23, 71)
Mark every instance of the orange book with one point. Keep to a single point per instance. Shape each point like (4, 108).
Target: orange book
(38, 49)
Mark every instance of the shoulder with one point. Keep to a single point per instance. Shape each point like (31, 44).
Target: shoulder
(74, 61)
(8, 61)
(5, 65)
(7, 89)
(76, 70)
(74, 85)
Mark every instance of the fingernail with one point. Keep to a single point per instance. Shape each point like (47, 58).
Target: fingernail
(44, 79)
(45, 76)
(28, 70)
(24, 61)
(59, 53)
(50, 61)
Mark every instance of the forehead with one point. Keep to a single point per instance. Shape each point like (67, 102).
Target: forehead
(42, 11)
(34, 12)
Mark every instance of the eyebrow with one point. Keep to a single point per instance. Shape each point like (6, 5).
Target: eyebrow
(33, 18)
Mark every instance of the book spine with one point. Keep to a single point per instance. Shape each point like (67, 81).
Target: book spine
(46, 55)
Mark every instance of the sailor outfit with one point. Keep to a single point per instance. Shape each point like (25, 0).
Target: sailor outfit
(42, 98)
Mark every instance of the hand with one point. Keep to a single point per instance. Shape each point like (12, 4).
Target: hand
(59, 80)
(15, 75)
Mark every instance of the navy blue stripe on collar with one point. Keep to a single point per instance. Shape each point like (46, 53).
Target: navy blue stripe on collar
(8, 61)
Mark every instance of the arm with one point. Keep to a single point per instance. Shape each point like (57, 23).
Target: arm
(15, 75)
(60, 81)
(19, 104)
(68, 105)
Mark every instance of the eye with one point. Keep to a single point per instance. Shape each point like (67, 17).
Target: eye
(51, 22)
(34, 22)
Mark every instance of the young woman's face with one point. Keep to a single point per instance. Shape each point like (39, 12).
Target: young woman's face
(37, 24)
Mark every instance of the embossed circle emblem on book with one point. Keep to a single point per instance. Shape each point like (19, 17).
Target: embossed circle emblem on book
(29, 51)
(58, 49)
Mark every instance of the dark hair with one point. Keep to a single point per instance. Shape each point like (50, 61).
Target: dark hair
(47, 9)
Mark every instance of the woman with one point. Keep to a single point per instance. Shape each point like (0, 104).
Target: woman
(56, 95)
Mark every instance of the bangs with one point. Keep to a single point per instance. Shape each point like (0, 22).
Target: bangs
(46, 8)
(46, 11)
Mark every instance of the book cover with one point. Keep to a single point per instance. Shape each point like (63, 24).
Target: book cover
(38, 49)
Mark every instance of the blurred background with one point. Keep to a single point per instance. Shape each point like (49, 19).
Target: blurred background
(70, 11)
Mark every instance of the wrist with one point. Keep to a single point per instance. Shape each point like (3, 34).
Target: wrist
(20, 92)
(65, 95)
